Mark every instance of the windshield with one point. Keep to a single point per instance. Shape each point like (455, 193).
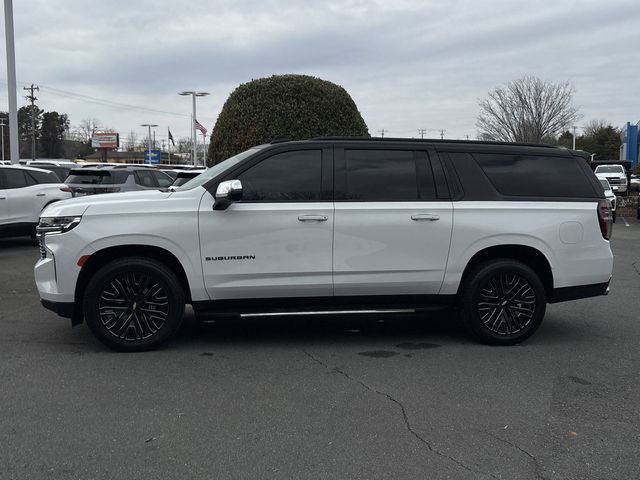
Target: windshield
(605, 184)
(609, 169)
(217, 169)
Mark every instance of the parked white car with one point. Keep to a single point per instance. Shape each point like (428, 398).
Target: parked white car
(348, 224)
(24, 193)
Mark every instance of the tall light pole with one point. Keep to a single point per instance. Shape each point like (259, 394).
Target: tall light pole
(149, 125)
(2, 125)
(194, 138)
(11, 81)
(574, 137)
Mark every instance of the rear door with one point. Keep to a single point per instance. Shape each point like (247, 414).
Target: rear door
(276, 241)
(393, 222)
(24, 196)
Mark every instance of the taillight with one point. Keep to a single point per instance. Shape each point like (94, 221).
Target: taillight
(605, 218)
(66, 189)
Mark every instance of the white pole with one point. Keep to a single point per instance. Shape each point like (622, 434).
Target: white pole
(11, 81)
(204, 153)
(574, 138)
(193, 127)
(2, 125)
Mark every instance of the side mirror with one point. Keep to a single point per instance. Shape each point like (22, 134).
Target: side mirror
(227, 192)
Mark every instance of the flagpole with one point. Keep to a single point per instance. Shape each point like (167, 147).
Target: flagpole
(169, 143)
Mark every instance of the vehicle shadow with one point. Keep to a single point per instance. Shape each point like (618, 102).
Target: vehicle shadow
(434, 328)
(17, 242)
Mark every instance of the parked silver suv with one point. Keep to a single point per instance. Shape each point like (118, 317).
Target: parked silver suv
(115, 178)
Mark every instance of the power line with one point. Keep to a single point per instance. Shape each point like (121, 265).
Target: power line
(109, 103)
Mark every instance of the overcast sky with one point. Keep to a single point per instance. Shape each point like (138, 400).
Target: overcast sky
(407, 64)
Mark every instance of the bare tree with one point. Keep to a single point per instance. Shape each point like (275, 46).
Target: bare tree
(131, 141)
(593, 127)
(526, 110)
(86, 129)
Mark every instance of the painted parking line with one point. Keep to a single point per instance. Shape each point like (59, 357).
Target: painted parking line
(626, 224)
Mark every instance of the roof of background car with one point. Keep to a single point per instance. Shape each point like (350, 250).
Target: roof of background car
(24, 167)
(111, 166)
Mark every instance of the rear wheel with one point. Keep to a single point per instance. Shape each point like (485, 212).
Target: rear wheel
(134, 304)
(502, 302)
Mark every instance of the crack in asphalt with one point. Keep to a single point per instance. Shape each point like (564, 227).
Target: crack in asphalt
(404, 415)
(532, 457)
(636, 267)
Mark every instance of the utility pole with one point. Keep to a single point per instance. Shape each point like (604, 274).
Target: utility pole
(382, 132)
(442, 134)
(2, 125)
(422, 131)
(574, 137)
(11, 81)
(32, 98)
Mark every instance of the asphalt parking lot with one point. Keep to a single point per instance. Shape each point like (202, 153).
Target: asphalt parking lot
(376, 397)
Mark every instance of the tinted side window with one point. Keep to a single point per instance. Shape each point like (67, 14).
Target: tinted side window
(14, 178)
(146, 178)
(388, 175)
(285, 177)
(535, 176)
(43, 177)
(163, 180)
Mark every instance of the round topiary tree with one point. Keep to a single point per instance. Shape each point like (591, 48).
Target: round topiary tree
(292, 106)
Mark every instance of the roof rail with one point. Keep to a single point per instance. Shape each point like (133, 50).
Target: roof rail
(431, 140)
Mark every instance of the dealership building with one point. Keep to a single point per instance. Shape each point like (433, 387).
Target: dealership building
(629, 143)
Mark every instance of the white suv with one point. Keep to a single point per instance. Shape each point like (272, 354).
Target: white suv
(336, 223)
(24, 192)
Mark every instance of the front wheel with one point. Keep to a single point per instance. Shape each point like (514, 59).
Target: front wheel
(502, 302)
(134, 304)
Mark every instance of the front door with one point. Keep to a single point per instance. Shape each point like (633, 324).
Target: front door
(277, 240)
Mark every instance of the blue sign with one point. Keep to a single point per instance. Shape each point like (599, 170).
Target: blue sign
(154, 158)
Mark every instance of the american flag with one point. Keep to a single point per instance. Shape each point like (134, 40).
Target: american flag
(200, 127)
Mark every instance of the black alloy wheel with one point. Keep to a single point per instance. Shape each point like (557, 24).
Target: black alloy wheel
(506, 303)
(502, 302)
(134, 304)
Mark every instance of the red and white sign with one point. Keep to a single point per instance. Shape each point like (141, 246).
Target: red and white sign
(105, 140)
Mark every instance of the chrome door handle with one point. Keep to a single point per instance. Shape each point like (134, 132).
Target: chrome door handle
(313, 218)
(41, 194)
(425, 216)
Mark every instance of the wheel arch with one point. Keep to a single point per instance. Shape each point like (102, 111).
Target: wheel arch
(529, 256)
(105, 255)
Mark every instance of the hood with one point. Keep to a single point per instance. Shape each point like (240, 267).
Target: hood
(78, 206)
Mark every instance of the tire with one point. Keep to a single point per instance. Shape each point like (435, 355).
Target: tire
(123, 288)
(488, 289)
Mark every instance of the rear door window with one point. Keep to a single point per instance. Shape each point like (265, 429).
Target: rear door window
(43, 177)
(387, 175)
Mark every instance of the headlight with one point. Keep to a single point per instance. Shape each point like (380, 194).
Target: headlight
(57, 224)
